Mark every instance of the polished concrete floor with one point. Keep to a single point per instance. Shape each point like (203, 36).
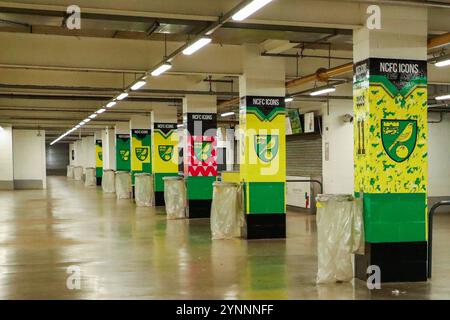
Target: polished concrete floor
(125, 252)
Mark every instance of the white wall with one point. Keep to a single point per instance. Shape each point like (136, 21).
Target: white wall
(439, 156)
(29, 155)
(338, 168)
(6, 154)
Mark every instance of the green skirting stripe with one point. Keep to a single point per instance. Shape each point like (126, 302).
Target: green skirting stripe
(266, 197)
(200, 188)
(395, 217)
(159, 182)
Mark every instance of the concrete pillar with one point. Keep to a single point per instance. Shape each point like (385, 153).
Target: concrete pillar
(263, 143)
(140, 144)
(29, 159)
(164, 149)
(109, 148)
(200, 164)
(390, 148)
(98, 157)
(6, 159)
(88, 152)
(123, 145)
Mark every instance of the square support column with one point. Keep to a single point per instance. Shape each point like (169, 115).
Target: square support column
(164, 149)
(263, 144)
(200, 162)
(123, 147)
(390, 148)
(109, 149)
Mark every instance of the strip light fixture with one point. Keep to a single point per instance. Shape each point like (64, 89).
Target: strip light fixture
(288, 99)
(111, 104)
(227, 114)
(322, 90)
(442, 61)
(249, 9)
(444, 97)
(120, 97)
(197, 45)
(100, 111)
(138, 85)
(161, 69)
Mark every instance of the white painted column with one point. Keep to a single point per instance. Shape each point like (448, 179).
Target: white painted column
(6, 159)
(109, 149)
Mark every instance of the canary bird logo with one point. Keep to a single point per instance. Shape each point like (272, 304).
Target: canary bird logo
(399, 138)
(266, 146)
(203, 150)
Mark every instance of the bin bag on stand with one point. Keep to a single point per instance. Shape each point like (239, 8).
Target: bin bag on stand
(90, 180)
(175, 197)
(123, 185)
(109, 181)
(78, 173)
(143, 189)
(334, 238)
(70, 173)
(226, 211)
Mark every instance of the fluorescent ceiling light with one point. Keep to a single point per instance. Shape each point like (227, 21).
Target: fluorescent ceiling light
(77, 126)
(161, 69)
(120, 97)
(290, 99)
(101, 110)
(92, 116)
(86, 120)
(323, 90)
(138, 85)
(446, 97)
(82, 123)
(249, 9)
(227, 114)
(442, 61)
(111, 104)
(180, 125)
(197, 45)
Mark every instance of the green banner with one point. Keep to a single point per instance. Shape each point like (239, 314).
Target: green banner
(123, 158)
(98, 158)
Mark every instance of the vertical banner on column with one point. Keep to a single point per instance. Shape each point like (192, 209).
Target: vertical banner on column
(165, 156)
(98, 158)
(123, 160)
(391, 147)
(263, 164)
(200, 160)
(140, 151)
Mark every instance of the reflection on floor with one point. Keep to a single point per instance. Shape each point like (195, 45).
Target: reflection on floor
(126, 252)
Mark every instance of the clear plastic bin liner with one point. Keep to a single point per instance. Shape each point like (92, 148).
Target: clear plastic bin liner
(143, 189)
(358, 226)
(226, 210)
(70, 172)
(338, 230)
(109, 181)
(123, 185)
(78, 173)
(175, 197)
(90, 179)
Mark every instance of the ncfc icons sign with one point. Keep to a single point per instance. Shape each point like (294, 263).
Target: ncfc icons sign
(399, 138)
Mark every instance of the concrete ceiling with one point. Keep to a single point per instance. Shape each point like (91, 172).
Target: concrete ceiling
(52, 77)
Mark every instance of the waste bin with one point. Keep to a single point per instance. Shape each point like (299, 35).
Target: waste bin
(90, 178)
(70, 173)
(175, 197)
(226, 210)
(339, 230)
(123, 185)
(78, 173)
(143, 189)
(109, 181)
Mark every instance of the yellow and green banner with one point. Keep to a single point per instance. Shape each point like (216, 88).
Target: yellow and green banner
(165, 156)
(98, 158)
(263, 164)
(141, 158)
